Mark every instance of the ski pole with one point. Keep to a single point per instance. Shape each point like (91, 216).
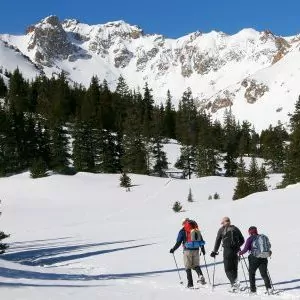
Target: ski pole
(270, 279)
(214, 271)
(207, 270)
(245, 263)
(181, 282)
(245, 273)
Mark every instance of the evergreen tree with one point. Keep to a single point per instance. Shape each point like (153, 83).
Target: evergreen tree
(38, 168)
(134, 159)
(207, 161)
(110, 153)
(186, 123)
(125, 181)
(292, 163)
(85, 147)
(60, 150)
(187, 160)
(245, 139)
(3, 88)
(272, 148)
(231, 144)
(158, 155)
(169, 118)
(18, 93)
(255, 178)
(242, 188)
(177, 207)
(147, 111)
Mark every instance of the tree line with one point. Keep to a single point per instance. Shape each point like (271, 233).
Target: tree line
(50, 124)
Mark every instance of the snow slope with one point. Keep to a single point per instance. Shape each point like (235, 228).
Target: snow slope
(82, 236)
(11, 59)
(214, 65)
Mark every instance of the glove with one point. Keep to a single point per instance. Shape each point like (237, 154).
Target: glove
(203, 250)
(172, 250)
(214, 254)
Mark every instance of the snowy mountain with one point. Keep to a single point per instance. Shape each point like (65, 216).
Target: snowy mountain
(250, 71)
(84, 237)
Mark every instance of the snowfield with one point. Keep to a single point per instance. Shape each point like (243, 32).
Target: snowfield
(84, 237)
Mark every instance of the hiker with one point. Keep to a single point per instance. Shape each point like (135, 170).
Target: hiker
(232, 239)
(260, 249)
(191, 239)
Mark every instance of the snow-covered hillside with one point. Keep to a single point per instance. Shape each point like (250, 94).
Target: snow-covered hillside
(84, 237)
(255, 72)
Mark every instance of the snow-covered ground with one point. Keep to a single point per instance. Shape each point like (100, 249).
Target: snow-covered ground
(83, 237)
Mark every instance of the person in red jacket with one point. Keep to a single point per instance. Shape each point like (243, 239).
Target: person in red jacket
(190, 254)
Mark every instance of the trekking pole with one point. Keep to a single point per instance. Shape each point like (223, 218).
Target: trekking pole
(214, 272)
(181, 282)
(245, 263)
(245, 273)
(270, 279)
(207, 270)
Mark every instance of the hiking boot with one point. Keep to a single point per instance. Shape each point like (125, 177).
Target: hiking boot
(236, 285)
(271, 292)
(190, 285)
(201, 279)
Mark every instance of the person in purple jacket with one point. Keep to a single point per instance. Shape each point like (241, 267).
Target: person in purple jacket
(256, 262)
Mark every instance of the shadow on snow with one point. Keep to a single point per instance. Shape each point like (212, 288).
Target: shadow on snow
(48, 255)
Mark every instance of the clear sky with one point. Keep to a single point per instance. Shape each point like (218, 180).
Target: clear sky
(170, 18)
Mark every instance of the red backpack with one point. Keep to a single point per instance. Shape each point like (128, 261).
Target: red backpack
(193, 235)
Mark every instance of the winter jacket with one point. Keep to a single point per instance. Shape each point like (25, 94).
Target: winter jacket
(248, 245)
(225, 235)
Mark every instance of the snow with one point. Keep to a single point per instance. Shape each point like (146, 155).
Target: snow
(84, 237)
(246, 54)
(10, 60)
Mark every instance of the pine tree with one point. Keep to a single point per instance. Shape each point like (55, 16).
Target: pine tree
(272, 147)
(231, 144)
(169, 118)
(85, 147)
(207, 161)
(38, 168)
(242, 188)
(292, 163)
(125, 181)
(177, 207)
(3, 88)
(255, 178)
(18, 93)
(158, 155)
(134, 159)
(187, 160)
(109, 153)
(190, 196)
(186, 122)
(60, 150)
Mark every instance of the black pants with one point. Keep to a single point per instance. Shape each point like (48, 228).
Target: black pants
(230, 264)
(261, 264)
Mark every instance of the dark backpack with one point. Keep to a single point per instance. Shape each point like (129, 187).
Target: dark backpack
(231, 238)
(261, 246)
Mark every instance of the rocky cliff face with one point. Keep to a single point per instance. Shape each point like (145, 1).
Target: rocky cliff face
(49, 41)
(216, 66)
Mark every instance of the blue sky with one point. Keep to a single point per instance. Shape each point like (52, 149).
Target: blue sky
(170, 18)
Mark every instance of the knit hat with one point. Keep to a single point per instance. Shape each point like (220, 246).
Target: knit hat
(252, 230)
